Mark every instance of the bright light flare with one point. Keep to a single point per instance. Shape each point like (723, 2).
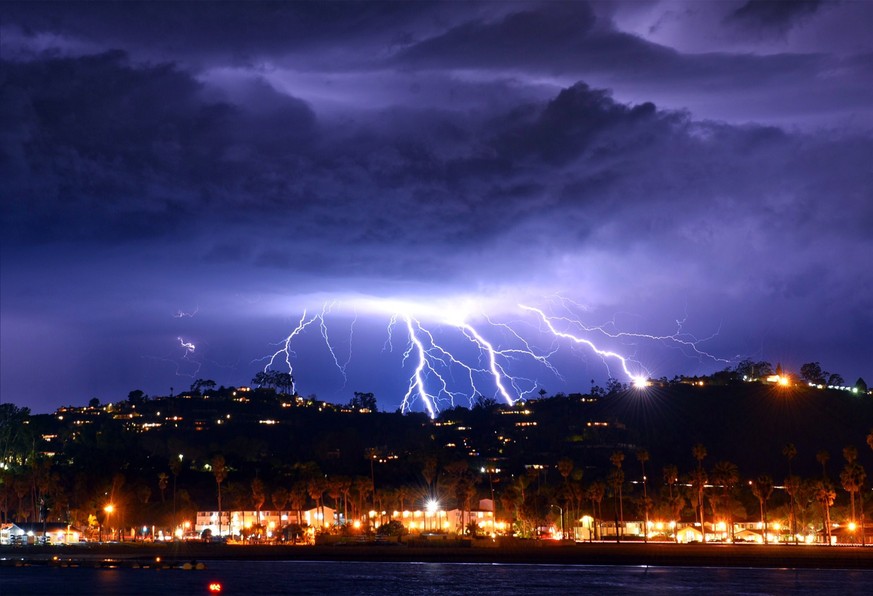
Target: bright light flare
(640, 382)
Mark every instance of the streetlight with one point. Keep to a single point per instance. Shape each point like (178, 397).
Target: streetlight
(431, 508)
(108, 510)
(561, 511)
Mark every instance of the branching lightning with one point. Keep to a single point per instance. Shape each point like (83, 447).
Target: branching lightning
(461, 354)
(606, 355)
(188, 350)
(679, 338)
(286, 353)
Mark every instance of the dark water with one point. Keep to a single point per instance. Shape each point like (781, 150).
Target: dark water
(397, 579)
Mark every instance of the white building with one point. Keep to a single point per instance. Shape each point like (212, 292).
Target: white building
(236, 523)
(32, 533)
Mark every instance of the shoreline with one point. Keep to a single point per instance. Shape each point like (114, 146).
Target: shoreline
(656, 555)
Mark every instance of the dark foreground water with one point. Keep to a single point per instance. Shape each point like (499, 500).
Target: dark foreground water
(397, 579)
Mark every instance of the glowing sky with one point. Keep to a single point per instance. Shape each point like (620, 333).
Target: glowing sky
(198, 174)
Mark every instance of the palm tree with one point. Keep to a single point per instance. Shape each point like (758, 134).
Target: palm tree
(460, 481)
(822, 457)
(362, 488)
(279, 497)
(335, 492)
(790, 452)
(346, 490)
(429, 471)
(825, 495)
(699, 481)
(258, 495)
(595, 495)
(726, 474)
(162, 484)
(794, 488)
(616, 479)
(565, 467)
(219, 470)
(671, 477)
(577, 493)
(297, 498)
(850, 454)
(852, 478)
(762, 488)
(677, 504)
(643, 457)
(316, 487)
(372, 453)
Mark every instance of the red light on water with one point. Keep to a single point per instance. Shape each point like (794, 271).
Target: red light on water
(214, 587)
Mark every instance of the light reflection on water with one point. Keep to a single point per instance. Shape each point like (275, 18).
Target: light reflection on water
(251, 578)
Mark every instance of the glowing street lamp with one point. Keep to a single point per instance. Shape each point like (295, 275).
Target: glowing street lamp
(431, 507)
(109, 509)
(561, 511)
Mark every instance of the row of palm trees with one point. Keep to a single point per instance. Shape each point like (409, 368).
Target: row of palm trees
(718, 487)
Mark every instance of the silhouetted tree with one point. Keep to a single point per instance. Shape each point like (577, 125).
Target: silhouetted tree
(726, 474)
(762, 488)
(812, 372)
(219, 471)
(790, 452)
(364, 401)
(699, 481)
(616, 480)
(825, 495)
(853, 477)
(822, 457)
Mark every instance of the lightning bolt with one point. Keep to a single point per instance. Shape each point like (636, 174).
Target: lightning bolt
(435, 363)
(189, 348)
(182, 314)
(605, 355)
(679, 338)
(285, 352)
(488, 351)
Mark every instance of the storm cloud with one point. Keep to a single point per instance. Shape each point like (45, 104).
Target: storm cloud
(232, 156)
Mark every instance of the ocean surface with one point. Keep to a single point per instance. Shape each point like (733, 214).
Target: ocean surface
(397, 579)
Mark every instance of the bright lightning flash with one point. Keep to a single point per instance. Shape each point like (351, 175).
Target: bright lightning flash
(484, 352)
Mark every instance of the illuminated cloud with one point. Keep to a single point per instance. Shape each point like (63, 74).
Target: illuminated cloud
(277, 158)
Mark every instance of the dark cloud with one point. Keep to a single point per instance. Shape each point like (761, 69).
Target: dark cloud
(274, 151)
(100, 147)
(232, 32)
(774, 16)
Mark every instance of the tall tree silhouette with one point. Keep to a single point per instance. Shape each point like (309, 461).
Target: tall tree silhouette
(219, 470)
(762, 488)
(699, 453)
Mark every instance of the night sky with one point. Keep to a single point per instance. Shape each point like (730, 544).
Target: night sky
(196, 174)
